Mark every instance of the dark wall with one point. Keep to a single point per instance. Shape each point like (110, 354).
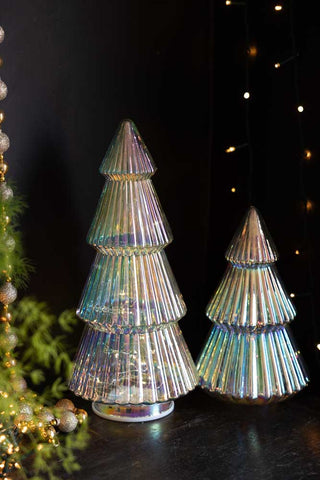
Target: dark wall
(74, 69)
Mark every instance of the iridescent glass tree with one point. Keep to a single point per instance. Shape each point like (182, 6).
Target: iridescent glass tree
(132, 360)
(250, 356)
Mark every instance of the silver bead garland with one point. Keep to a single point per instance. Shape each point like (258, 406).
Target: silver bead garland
(6, 192)
(3, 90)
(4, 142)
(8, 293)
(68, 421)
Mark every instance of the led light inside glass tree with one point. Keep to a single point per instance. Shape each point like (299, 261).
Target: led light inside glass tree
(132, 360)
(250, 356)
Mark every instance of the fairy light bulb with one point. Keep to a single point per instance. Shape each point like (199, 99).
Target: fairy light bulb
(278, 8)
(297, 252)
(309, 205)
(233, 190)
(292, 295)
(307, 154)
(300, 108)
(277, 65)
(228, 2)
(318, 346)
(230, 149)
(246, 95)
(252, 51)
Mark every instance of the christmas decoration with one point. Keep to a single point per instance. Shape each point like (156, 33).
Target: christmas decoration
(132, 360)
(250, 356)
(26, 427)
(3, 90)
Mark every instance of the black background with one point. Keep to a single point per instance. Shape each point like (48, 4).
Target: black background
(74, 69)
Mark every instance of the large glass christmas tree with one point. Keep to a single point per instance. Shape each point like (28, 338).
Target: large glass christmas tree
(132, 360)
(250, 356)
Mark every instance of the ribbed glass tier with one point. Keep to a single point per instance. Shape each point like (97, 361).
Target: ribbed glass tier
(251, 368)
(123, 292)
(129, 219)
(252, 244)
(251, 297)
(127, 157)
(133, 369)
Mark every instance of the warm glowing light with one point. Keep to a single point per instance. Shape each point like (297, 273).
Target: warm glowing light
(292, 295)
(318, 346)
(228, 2)
(309, 205)
(278, 8)
(277, 65)
(300, 108)
(252, 51)
(307, 154)
(233, 190)
(246, 95)
(230, 149)
(297, 252)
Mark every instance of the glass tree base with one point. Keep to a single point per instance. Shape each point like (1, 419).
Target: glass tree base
(133, 413)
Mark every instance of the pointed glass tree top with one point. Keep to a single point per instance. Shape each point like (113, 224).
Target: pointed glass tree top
(127, 157)
(252, 244)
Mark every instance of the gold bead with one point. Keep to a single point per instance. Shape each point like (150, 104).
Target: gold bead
(3, 168)
(81, 415)
(2, 116)
(1, 62)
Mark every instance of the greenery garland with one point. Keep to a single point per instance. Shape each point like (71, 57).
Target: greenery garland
(28, 434)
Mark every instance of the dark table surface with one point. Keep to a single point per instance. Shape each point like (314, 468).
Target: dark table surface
(207, 439)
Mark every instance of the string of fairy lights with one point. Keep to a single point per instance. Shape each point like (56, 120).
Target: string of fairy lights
(304, 154)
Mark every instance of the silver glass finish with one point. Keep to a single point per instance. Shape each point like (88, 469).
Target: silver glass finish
(250, 356)
(123, 292)
(132, 360)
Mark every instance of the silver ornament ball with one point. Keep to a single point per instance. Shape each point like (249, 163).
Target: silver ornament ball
(68, 421)
(4, 142)
(1, 34)
(26, 410)
(8, 293)
(19, 384)
(11, 340)
(3, 90)
(6, 192)
(46, 416)
(9, 242)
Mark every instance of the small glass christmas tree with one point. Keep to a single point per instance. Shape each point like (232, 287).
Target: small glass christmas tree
(250, 356)
(132, 360)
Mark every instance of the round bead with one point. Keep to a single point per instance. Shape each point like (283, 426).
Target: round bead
(81, 415)
(65, 404)
(68, 421)
(2, 116)
(6, 192)
(25, 412)
(4, 142)
(11, 340)
(3, 90)
(8, 293)
(1, 34)
(9, 242)
(19, 384)
(3, 168)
